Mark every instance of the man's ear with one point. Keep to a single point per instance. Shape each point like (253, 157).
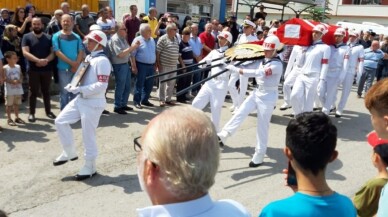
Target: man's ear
(288, 153)
(333, 156)
(151, 172)
(386, 123)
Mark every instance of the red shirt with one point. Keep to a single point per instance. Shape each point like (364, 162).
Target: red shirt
(208, 40)
(132, 25)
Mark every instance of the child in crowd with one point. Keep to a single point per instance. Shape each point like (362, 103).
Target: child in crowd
(377, 104)
(309, 153)
(367, 198)
(13, 87)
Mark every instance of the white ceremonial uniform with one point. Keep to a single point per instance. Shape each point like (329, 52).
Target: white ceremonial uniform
(214, 90)
(293, 69)
(263, 99)
(238, 97)
(355, 64)
(338, 63)
(87, 106)
(305, 88)
(201, 207)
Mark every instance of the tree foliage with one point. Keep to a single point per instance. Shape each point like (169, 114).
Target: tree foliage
(318, 13)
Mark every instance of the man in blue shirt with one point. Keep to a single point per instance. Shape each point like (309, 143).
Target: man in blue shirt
(69, 50)
(311, 140)
(372, 56)
(143, 65)
(196, 45)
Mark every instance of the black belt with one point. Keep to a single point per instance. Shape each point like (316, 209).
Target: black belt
(148, 64)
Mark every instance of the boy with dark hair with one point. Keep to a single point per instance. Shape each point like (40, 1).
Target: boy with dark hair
(311, 140)
(377, 104)
(366, 200)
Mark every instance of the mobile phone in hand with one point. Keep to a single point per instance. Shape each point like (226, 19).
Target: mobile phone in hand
(291, 177)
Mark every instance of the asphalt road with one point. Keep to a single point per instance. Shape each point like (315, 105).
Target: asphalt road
(31, 186)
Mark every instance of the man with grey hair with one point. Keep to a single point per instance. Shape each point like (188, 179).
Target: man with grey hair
(65, 7)
(143, 65)
(167, 54)
(177, 170)
(120, 51)
(196, 45)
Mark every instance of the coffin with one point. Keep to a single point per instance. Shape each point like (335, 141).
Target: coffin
(298, 32)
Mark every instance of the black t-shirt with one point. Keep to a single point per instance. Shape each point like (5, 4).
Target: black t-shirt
(39, 47)
(261, 15)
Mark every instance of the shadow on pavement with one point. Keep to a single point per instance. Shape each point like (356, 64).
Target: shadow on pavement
(129, 183)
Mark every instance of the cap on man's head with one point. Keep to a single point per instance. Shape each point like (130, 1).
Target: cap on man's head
(247, 23)
(374, 140)
(320, 28)
(340, 31)
(353, 32)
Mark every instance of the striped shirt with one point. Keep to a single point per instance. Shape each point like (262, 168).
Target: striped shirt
(169, 50)
(186, 53)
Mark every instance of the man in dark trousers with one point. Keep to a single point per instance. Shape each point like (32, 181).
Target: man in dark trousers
(37, 48)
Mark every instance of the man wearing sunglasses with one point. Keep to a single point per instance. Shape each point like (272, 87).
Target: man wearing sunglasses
(177, 170)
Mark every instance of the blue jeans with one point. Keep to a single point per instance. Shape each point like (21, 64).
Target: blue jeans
(64, 79)
(143, 86)
(123, 84)
(366, 80)
(197, 77)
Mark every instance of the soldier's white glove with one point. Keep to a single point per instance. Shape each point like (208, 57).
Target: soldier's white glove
(208, 62)
(67, 87)
(233, 69)
(75, 90)
(322, 89)
(223, 62)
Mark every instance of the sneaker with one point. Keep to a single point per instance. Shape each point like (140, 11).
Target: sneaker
(120, 111)
(338, 114)
(127, 108)
(105, 112)
(285, 106)
(148, 104)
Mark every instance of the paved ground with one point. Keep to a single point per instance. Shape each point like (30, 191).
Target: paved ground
(31, 186)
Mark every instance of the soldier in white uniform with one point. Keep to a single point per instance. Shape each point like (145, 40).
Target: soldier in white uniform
(263, 99)
(215, 90)
(238, 97)
(293, 69)
(87, 107)
(338, 63)
(355, 64)
(313, 72)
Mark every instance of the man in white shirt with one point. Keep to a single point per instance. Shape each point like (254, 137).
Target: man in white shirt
(176, 170)
(238, 97)
(313, 73)
(338, 63)
(355, 65)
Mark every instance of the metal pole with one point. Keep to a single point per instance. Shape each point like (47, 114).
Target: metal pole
(238, 2)
(324, 9)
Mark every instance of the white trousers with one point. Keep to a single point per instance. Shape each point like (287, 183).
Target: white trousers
(264, 112)
(303, 93)
(166, 89)
(216, 97)
(331, 92)
(75, 110)
(346, 88)
(288, 84)
(237, 97)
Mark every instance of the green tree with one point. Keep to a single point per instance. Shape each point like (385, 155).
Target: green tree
(318, 13)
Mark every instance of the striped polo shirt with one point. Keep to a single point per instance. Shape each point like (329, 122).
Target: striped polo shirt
(169, 50)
